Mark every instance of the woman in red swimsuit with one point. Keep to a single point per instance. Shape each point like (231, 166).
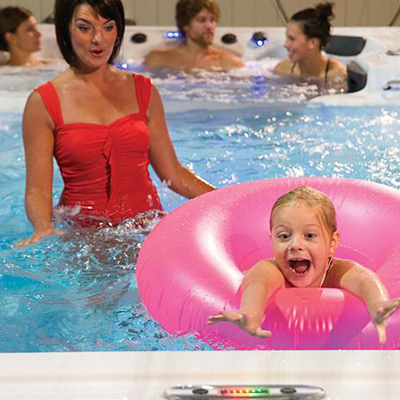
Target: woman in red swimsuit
(104, 126)
(307, 33)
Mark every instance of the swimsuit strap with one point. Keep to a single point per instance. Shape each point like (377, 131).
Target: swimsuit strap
(143, 92)
(330, 262)
(327, 69)
(51, 101)
(328, 62)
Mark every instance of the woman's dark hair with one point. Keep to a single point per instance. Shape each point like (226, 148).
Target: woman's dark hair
(315, 22)
(10, 19)
(185, 10)
(63, 13)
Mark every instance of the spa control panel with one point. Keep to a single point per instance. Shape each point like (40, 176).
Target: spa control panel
(206, 392)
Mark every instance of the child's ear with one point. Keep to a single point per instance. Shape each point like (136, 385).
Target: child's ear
(334, 243)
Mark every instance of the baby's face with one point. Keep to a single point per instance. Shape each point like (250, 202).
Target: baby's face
(302, 244)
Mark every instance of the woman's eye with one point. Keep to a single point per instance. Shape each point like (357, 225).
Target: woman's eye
(109, 28)
(83, 28)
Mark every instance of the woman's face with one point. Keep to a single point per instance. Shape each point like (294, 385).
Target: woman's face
(27, 37)
(92, 37)
(297, 44)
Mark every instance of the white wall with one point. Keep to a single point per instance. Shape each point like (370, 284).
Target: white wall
(244, 12)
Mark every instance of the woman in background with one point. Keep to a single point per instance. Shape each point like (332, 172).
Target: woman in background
(307, 33)
(19, 35)
(103, 125)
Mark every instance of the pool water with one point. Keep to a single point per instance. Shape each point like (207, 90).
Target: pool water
(77, 292)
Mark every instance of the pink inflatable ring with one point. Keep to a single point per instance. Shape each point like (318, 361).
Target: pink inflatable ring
(192, 264)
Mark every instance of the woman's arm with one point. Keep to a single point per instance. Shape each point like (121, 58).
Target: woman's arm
(337, 69)
(259, 284)
(163, 157)
(366, 285)
(38, 143)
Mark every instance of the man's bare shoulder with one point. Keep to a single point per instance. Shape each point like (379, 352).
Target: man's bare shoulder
(229, 59)
(161, 57)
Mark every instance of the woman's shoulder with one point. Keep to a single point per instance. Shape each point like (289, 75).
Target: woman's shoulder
(124, 77)
(336, 69)
(60, 79)
(284, 67)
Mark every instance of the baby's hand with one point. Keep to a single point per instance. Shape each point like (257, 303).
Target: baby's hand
(242, 320)
(382, 311)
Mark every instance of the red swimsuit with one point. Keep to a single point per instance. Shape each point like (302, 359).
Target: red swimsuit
(104, 167)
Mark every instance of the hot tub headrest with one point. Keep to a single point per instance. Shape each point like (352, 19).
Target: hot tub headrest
(356, 77)
(345, 45)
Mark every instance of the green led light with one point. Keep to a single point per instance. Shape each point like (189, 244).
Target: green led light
(248, 392)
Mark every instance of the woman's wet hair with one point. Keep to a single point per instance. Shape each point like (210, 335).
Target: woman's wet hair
(186, 10)
(64, 12)
(315, 22)
(313, 199)
(10, 19)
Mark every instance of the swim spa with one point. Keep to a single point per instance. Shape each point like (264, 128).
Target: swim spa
(80, 294)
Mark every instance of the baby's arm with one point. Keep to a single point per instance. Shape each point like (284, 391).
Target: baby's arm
(366, 285)
(258, 285)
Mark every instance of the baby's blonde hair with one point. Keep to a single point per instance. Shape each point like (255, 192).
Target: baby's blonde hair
(312, 198)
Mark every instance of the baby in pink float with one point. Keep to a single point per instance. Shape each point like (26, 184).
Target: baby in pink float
(304, 239)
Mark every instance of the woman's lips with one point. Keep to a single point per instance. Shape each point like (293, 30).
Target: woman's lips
(97, 53)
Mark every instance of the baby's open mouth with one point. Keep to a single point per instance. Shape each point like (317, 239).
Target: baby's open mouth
(300, 265)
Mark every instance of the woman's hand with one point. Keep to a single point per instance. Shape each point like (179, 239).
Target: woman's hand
(243, 320)
(380, 313)
(37, 236)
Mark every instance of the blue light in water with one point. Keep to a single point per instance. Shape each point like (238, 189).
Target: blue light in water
(259, 42)
(173, 35)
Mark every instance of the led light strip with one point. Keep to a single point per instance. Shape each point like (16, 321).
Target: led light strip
(245, 392)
